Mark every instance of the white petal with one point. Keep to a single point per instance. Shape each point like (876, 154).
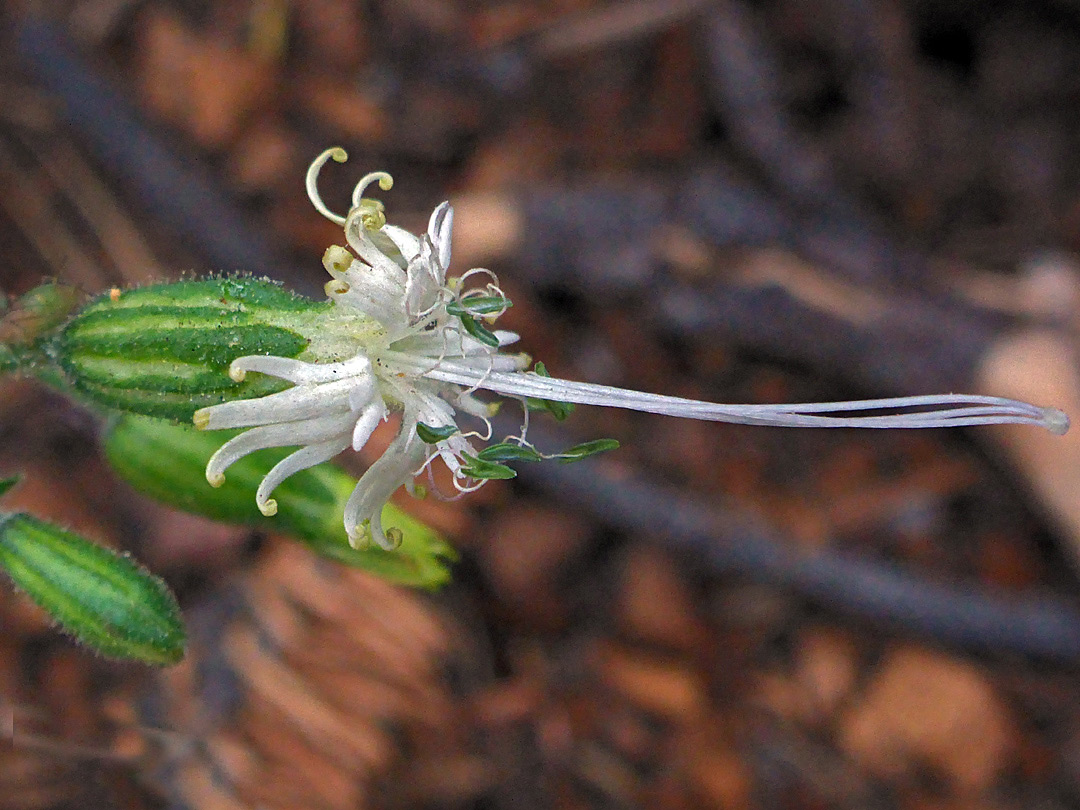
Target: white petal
(380, 305)
(302, 459)
(366, 423)
(362, 393)
(440, 228)
(407, 243)
(299, 402)
(392, 469)
(427, 344)
(451, 449)
(297, 371)
(362, 241)
(432, 410)
(309, 431)
(423, 281)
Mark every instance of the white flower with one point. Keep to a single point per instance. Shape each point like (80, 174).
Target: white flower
(402, 337)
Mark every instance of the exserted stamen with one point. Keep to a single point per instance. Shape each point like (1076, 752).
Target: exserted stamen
(942, 410)
(311, 182)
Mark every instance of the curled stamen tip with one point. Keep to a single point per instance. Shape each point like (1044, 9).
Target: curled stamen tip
(337, 258)
(268, 508)
(1057, 422)
(386, 182)
(359, 536)
(201, 419)
(236, 373)
(338, 154)
(215, 479)
(335, 288)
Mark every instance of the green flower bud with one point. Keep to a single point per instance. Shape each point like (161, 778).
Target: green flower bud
(168, 462)
(30, 320)
(164, 350)
(38, 312)
(104, 599)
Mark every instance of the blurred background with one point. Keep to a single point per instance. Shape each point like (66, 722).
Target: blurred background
(734, 201)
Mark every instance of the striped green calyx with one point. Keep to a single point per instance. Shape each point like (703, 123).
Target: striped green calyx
(104, 599)
(164, 350)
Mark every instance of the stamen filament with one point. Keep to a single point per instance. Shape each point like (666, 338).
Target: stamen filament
(312, 180)
(386, 182)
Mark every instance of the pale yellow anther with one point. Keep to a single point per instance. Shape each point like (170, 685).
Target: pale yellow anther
(394, 536)
(337, 259)
(335, 288)
(419, 491)
(201, 418)
(215, 479)
(386, 182)
(269, 508)
(372, 214)
(237, 373)
(360, 537)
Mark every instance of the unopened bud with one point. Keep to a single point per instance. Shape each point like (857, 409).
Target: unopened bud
(104, 599)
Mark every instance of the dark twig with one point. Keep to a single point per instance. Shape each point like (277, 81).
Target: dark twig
(744, 86)
(743, 81)
(728, 543)
(610, 241)
(181, 195)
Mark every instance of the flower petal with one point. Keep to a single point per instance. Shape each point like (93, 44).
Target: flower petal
(366, 423)
(308, 431)
(407, 243)
(299, 402)
(423, 282)
(392, 469)
(440, 229)
(297, 371)
(302, 459)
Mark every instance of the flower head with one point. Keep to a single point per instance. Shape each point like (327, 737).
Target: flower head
(404, 337)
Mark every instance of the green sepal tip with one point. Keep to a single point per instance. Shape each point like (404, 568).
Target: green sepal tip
(479, 331)
(586, 449)
(434, 435)
(486, 470)
(508, 451)
(479, 305)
